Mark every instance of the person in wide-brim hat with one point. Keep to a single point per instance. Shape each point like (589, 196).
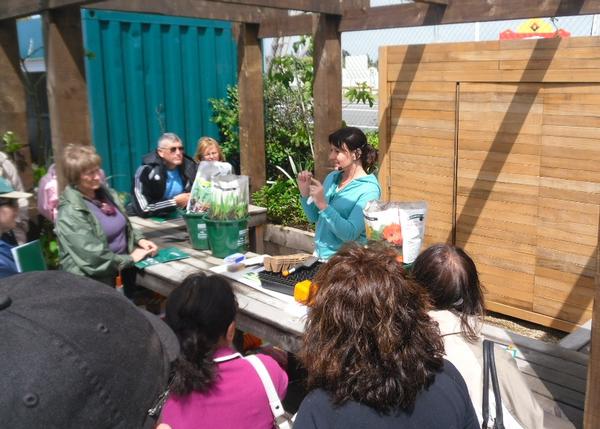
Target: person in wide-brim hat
(9, 211)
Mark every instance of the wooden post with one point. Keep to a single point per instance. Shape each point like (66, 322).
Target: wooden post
(66, 85)
(252, 119)
(384, 117)
(13, 97)
(327, 88)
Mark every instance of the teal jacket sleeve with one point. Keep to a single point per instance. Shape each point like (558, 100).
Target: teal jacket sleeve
(351, 228)
(311, 210)
(88, 250)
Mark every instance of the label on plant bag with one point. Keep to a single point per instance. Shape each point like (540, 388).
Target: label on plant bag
(243, 237)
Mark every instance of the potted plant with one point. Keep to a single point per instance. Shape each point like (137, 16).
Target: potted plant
(227, 218)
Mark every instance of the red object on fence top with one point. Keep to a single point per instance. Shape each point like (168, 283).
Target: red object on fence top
(535, 28)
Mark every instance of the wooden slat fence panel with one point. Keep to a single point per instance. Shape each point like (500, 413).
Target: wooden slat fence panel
(500, 234)
(501, 138)
(422, 152)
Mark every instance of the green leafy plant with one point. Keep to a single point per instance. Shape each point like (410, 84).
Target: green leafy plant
(289, 129)
(230, 207)
(229, 198)
(288, 112)
(282, 200)
(373, 138)
(38, 172)
(11, 144)
(49, 244)
(226, 113)
(361, 93)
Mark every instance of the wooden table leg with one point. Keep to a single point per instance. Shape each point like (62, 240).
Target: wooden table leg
(257, 242)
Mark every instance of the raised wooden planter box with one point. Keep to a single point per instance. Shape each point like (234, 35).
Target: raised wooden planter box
(283, 240)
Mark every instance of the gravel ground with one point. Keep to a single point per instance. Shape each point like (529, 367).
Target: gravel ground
(524, 328)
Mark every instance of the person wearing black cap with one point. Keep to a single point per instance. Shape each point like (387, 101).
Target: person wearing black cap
(76, 354)
(9, 211)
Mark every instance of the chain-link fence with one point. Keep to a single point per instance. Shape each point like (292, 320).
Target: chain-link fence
(360, 49)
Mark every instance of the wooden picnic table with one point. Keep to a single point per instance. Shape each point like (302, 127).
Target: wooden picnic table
(262, 313)
(256, 226)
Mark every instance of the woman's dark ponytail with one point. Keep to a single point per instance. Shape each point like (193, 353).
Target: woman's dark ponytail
(369, 158)
(199, 311)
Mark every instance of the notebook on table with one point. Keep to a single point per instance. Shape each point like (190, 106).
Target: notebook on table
(166, 254)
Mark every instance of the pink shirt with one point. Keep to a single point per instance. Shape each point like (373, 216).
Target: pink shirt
(47, 198)
(237, 400)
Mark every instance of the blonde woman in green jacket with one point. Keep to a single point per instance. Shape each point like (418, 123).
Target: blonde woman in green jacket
(95, 236)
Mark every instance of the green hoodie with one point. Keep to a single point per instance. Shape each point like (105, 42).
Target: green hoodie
(82, 243)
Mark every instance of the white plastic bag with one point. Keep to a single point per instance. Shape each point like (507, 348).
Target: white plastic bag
(229, 197)
(401, 224)
(201, 189)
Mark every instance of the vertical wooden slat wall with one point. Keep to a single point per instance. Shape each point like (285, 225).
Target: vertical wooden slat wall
(499, 137)
(502, 139)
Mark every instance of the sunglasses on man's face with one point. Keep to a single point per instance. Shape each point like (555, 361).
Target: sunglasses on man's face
(173, 149)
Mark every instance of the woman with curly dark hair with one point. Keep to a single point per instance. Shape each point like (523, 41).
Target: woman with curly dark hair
(374, 357)
(213, 386)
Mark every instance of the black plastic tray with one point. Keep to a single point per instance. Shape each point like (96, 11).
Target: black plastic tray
(279, 283)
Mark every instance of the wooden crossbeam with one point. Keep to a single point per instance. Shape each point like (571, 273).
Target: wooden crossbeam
(420, 14)
(440, 2)
(251, 11)
(205, 9)
(19, 8)
(329, 6)
(288, 26)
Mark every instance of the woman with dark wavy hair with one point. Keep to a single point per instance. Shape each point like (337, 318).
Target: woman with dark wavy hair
(373, 355)
(213, 386)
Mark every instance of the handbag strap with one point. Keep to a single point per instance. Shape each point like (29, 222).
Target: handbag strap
(490, 373)
(274, 402)
(485, 402)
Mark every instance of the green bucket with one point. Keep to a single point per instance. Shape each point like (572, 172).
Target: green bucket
(226, 237)
(196, 226)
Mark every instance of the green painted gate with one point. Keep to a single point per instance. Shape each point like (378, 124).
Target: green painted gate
(147, 74)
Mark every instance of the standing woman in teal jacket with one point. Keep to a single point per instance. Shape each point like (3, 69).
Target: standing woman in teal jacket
(336, 206)
(95, 237)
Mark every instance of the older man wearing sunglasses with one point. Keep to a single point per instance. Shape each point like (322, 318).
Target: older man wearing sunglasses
(163, 181)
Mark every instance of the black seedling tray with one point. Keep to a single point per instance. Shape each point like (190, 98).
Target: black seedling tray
(279, 283)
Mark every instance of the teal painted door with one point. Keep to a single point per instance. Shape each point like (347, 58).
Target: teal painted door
(149, 74)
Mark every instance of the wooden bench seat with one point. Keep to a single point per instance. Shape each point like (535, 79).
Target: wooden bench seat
(556, 375)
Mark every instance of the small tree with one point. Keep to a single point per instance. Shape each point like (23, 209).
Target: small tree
(289, 129)
(288, 113)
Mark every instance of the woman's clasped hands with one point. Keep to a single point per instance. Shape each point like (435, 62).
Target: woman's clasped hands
(311, 187)
(145, 248)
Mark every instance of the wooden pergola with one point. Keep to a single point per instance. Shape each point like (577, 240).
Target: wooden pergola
(256, 19)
